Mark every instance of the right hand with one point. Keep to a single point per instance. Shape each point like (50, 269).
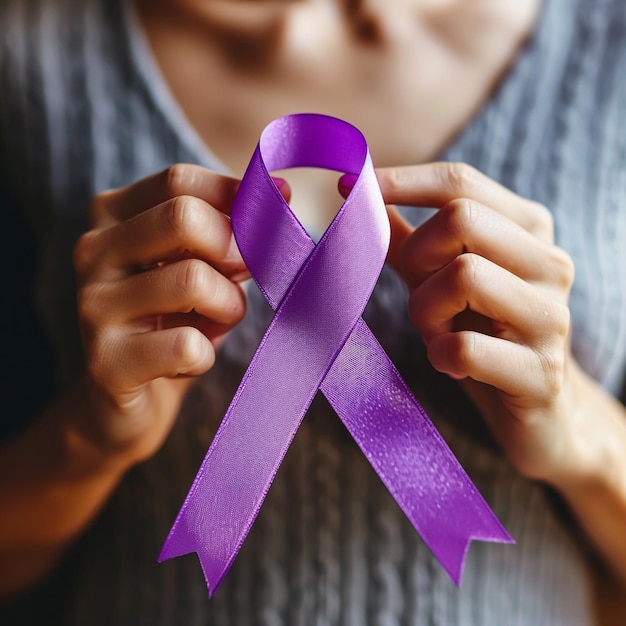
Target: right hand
(158, 276)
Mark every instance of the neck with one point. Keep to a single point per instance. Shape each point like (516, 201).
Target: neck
(410, 74)
(427, 63)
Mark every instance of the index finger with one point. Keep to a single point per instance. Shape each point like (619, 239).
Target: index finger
(436, 184)
(181, 179)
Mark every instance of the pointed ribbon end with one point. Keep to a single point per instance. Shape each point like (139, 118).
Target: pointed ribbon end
(169, 553)
(453, 561)
(180, 542)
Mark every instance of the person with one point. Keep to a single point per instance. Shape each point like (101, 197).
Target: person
(124, 127)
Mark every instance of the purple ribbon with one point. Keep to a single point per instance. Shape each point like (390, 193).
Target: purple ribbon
(317, 340)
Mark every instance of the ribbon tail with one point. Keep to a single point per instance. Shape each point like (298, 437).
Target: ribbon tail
(452, 553)
(238, 469)
(234, 477)
(275, 393)
(183, 540)
(408, 453)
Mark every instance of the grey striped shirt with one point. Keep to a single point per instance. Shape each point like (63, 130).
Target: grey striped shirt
(83, 108)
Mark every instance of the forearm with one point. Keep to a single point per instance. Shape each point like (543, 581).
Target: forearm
(597, 497)
(53, 484)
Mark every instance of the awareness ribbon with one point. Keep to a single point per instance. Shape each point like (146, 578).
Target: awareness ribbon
(318, 340)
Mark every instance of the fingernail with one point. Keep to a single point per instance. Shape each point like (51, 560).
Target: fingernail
(346, 183)
(279, 182)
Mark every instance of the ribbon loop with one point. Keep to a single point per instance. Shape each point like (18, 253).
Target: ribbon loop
(317, 340)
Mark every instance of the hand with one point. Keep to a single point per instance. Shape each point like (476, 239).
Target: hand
(158, 286)
(489, 293)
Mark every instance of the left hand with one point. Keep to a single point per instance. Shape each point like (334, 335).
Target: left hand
(489, 293)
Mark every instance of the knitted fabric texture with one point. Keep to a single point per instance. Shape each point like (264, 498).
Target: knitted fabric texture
(330, 546)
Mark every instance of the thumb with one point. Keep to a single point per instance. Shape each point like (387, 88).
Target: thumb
(283, 186)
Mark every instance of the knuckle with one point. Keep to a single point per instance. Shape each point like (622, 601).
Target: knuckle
(99, 360)
(184, 216)
(461, 217)
(552, 362)
(189, 347)
(98, 207)
(562, 267)
(85, 252)
(200, 284)
(466, 350)
(395, 180)
(196, 281)
(542, 222)
(465, 270)
(176, 179)
(459, 350)
(462, 179)
(558, 317)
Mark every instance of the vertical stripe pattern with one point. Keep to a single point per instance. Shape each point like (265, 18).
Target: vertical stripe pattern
(330, 546)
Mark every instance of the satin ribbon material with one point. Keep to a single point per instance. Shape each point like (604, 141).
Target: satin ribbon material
(318, 340)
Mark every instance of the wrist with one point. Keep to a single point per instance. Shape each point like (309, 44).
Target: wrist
(122, 432)
(83, 447)
(595, 458)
